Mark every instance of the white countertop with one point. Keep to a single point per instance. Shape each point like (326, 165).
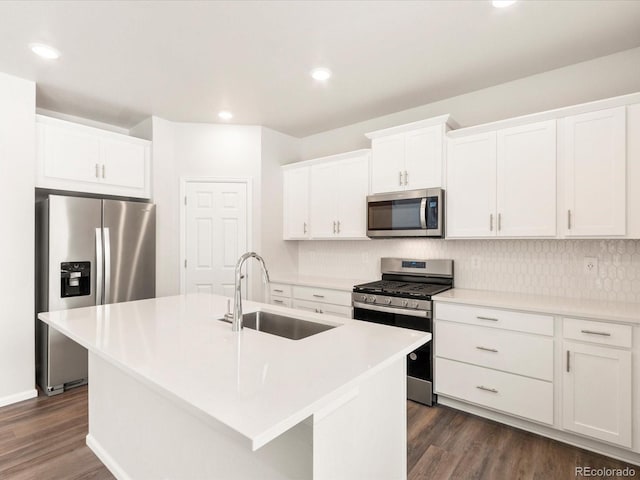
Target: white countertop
(320, 282)
(575, 307)
(259, 385)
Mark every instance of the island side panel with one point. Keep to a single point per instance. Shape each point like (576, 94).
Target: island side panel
(140, 434)
(365, 436)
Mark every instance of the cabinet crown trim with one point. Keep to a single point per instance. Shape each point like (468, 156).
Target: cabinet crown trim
(329, 158)
(558, 113)
(407, 127)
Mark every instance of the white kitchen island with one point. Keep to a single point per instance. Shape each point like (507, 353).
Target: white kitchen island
(175, 394)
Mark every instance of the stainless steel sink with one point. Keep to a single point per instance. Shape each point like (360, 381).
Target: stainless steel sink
(281, 325)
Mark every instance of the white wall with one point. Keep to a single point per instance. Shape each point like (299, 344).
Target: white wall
(198, 150)
(17, 168)
(277, 149)
(603, 77)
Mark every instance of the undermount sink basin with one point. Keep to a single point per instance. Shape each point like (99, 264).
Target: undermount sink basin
(281, 325)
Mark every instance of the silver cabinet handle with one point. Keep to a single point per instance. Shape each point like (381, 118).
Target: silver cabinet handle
(278, 290)
(499, 221)
(318, 296)
(304, 227)
(592, 332)
(491, 222)
(486, 389)
(488, 318)
(320, 311)
(334, 226)
(400, 179)
(568, 219)
(568, 361)
(487, 349)
(338, 226)
(406, 178)
(97, 171)
(103, 171)
(277, 301)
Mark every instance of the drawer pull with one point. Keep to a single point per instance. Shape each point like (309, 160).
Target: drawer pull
(487, 389)
(592, 332)
(318, 296)
(278, 290)
(277, 301)
(487, 349)
(488, 318)
(568, 361)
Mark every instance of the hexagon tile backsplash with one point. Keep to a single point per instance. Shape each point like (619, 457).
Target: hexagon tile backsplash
(543, 267)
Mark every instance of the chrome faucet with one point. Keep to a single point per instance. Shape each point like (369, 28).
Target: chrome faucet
(236, 324)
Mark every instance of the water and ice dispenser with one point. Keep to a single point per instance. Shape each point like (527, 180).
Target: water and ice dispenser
(75, 279)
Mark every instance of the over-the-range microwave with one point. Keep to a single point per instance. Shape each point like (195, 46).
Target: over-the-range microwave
(411, 213)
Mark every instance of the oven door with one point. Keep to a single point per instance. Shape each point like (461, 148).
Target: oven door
(420, 361)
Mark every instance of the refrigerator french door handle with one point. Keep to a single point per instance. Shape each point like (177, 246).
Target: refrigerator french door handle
(99, 267)
(107, 266)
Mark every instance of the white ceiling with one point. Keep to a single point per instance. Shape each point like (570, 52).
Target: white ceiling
(185, 61)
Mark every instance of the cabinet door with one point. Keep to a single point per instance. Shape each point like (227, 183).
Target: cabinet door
(123, 163)
(597, 392)
(526, 172)
(423, 158)
(296, 203)
(69, 154)
(595, 171)
(471, 186)
(387, 164)
(353, 181)
(323, 211)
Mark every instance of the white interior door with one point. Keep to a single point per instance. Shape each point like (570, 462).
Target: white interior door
(216, 235)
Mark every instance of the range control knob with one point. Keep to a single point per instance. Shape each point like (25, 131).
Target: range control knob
(405, 303)
(372, 299)
(363, 298)
(414, 304)
(388, 301)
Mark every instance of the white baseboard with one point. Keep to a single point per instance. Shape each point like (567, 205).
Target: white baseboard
(18, 397)
(106, 459)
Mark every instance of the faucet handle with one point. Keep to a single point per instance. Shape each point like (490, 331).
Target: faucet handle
(228, 316)
(228, 305)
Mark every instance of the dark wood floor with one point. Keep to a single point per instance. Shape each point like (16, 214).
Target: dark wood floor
(44, 438)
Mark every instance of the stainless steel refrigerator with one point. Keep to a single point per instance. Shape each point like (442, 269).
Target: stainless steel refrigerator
(89, 251)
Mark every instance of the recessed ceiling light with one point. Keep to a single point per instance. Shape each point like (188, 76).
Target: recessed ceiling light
(321, 74)
(503, 3)
(225, 115)
(44, 51)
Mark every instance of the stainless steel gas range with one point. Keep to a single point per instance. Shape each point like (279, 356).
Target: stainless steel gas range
(403, 299)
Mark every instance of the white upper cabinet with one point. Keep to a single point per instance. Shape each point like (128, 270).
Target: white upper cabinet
(471, 186)
(526, 169)
(594, 150)
(85, 159)
(409, 156)
(326, 198)
(296, 203)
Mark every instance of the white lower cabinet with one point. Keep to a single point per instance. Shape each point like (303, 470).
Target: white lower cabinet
(577, 379)
(514, 394)
(596, 392)
(312, 299)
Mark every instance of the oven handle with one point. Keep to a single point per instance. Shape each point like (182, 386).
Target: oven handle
(399, 311)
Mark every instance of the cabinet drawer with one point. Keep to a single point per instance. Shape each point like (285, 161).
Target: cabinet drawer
(604, 333)
(326, 308)
(280, 290)
(521, 396)
(514, 352)
(337, 297)
(488, 317)
(281, 301)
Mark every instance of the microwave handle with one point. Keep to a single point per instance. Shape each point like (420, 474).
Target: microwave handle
(423, 213)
